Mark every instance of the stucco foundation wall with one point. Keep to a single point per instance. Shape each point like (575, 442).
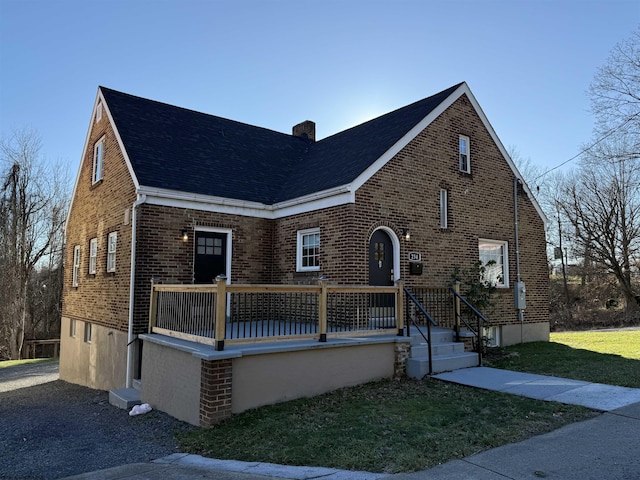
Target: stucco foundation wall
(171, 382)
(99, 364)
(530, 332)
(267, 379)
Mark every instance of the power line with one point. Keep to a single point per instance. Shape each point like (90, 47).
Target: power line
(584, 150)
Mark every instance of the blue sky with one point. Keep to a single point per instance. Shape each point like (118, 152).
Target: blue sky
(336, 62)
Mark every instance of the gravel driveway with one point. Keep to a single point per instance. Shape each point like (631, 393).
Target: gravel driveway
(57, 429)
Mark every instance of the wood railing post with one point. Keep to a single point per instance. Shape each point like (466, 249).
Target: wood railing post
(153, 307)
(456, 308)
(400, 307)
(220, 312)
(322, 310)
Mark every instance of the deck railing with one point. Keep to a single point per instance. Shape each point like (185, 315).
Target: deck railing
(219, 313)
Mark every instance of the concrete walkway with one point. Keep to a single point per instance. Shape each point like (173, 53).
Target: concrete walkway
(607, 446)
(554, 389)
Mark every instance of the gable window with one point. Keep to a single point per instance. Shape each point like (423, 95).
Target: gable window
(76, 266)
(444, 209)
(465, 157)
(98, 160)
(308, 250)
(99, 112)
(494, 255)
(112, 242)
(93, 255)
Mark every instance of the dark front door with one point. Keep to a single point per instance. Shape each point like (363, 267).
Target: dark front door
(380, 259)
(381, 274)
(210, 257)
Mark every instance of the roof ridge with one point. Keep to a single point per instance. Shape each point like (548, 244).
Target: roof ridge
(190, 110)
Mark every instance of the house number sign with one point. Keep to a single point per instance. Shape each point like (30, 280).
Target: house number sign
(415, 256)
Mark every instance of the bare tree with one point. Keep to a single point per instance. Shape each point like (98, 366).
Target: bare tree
(615, 96)
(603, 205)
(33, 199)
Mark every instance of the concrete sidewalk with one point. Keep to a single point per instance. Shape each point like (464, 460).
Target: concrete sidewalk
(607, 446)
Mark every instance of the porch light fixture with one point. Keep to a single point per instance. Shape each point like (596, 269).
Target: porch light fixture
(406, 234)
(185, 235)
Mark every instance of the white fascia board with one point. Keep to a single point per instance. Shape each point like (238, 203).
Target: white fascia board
(193, 201)
(408, 137)
(425, 122)
(105, 109)
(317, 201)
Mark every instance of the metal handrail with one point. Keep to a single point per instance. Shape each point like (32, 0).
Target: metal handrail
(479, 317)
(429, 323)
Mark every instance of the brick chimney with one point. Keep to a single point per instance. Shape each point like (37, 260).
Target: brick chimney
(306, 129)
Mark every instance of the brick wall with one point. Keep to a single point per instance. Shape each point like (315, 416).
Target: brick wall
(215, 391)
(405, 193)
(96, 211)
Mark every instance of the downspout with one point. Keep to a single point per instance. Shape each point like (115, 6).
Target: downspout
(141, 199)
(516, 181)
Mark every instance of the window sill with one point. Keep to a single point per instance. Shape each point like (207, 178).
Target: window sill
(96, 184)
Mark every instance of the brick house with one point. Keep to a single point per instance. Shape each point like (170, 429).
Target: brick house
(178, 196)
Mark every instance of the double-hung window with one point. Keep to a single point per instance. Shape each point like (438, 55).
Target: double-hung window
(464, 155)
(112, 242)
(494, 255)
(98, 161)
(308, 250)
(93, 255)
(76, 266)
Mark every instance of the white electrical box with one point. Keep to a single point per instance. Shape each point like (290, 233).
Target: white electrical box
(519, 292)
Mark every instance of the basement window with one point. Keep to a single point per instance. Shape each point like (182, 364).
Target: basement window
(88, 332)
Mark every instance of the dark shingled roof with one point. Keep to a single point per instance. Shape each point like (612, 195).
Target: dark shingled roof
(178, 149)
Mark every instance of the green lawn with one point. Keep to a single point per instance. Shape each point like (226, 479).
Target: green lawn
(387, 426)
(13, 363)
(611, 357)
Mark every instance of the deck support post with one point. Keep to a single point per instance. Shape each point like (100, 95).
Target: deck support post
(322, 310)
(456, 310)
(400, 307)
(153, 308)
(220, 312)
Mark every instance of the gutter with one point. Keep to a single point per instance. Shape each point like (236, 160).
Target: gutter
(141, 199)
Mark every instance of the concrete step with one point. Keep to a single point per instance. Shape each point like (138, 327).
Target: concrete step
(438, 335)
(124, 398)
(419, 367)
(447, 348)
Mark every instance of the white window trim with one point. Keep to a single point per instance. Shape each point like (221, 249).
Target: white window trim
(97, 170)
(444, 209)
(75, 272)
(301, 234)
(505, 259)
(111, 252)
(93, 256)
(73, 326)
(466, 139)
